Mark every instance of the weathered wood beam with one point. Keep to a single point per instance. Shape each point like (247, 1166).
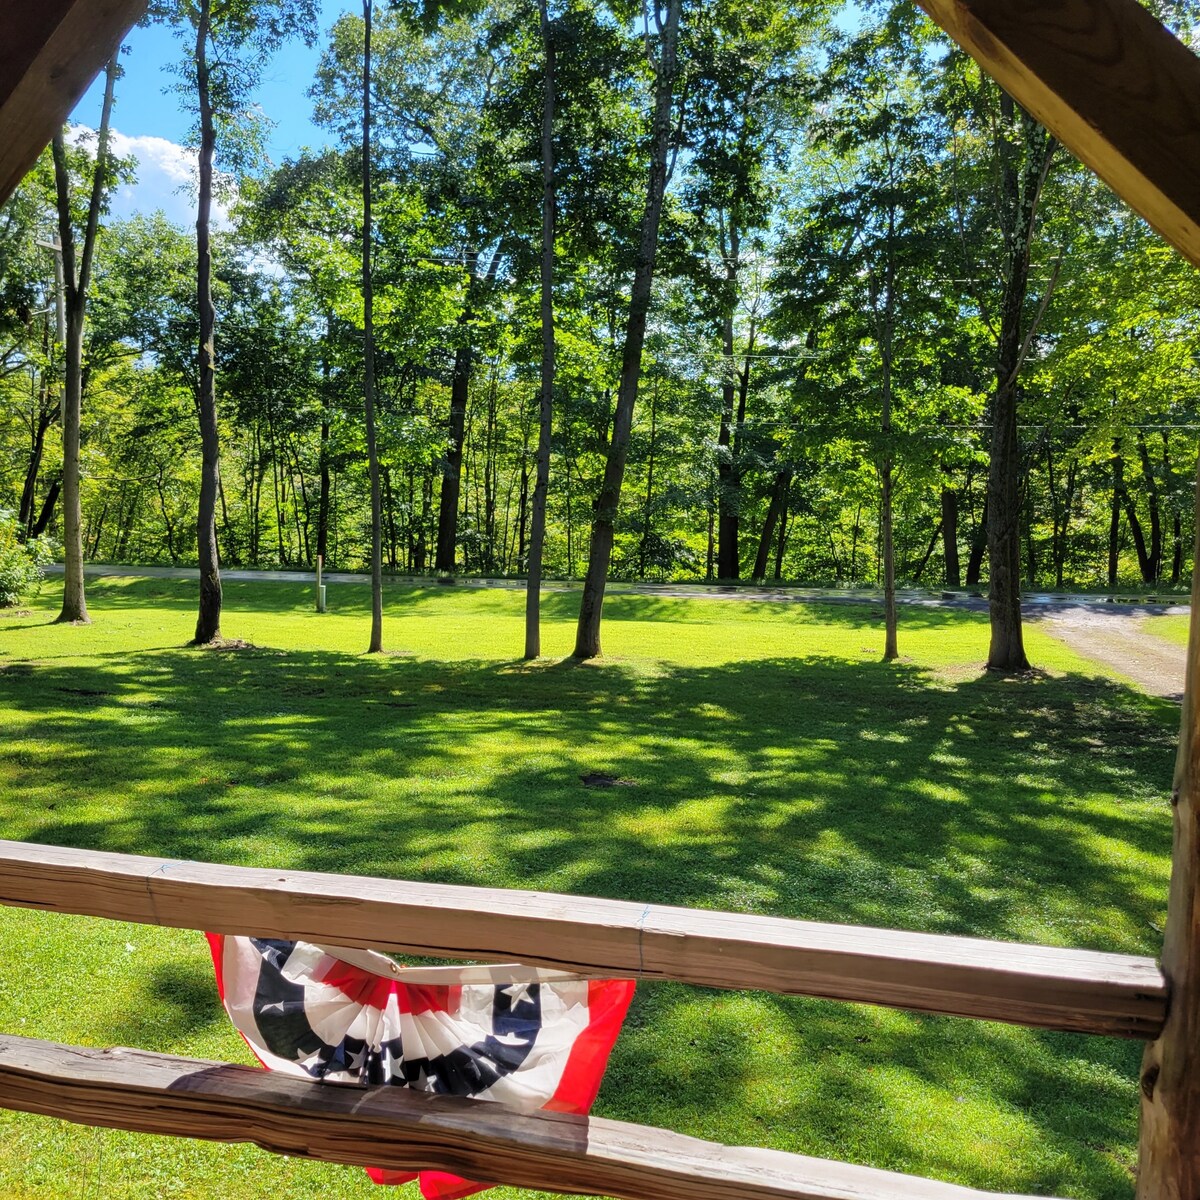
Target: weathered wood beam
(405, 1130)
(1030, 985)
(1169, 1155)
(50, 51)
(1110, 82)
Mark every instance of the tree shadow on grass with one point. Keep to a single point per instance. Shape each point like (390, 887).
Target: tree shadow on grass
(820, 788)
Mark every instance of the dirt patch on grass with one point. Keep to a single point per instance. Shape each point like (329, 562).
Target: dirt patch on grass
(222, 643)
(1117, 640)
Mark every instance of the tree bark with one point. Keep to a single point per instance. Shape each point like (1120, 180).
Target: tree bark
(208, 619)
(953, 571)
(376, 643)
(77, 278)
(1169, 1153)
(587, 636)
(1022, 188)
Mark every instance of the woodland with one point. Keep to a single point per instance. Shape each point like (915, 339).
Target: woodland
(734, 291)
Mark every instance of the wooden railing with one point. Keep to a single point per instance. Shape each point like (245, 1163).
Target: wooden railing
(397, 1128)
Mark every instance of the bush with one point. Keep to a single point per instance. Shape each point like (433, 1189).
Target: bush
(21, 563)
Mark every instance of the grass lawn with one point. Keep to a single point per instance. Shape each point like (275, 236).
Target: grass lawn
(779, 768)
(1173, 628)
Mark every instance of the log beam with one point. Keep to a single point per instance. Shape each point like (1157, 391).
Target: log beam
(1110, 82)
(1169, 1154)
(404, 1130)
(50, 51)
(1040, 986)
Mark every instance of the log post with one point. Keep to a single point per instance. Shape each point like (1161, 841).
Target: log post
(1169, 1154)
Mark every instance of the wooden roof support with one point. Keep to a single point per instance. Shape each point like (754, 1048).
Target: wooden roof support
(406, 1130)
(1040, 986)
(50, 51)
(1110, 82)
(1169, 1155)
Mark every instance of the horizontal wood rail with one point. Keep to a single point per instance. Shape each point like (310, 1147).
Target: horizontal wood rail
(409, 1130)
(1038, 986)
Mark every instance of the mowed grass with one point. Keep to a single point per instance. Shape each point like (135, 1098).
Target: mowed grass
(777, 766)
(1172, 628)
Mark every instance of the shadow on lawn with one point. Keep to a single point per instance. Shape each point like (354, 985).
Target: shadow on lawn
(818, 788)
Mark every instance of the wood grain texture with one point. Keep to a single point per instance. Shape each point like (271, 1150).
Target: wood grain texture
(1110, 82)
(1169, 1153)
(1029, 985)
(405, 1130)
(50, 50)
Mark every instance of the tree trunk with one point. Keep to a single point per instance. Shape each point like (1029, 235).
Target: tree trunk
(587, 636)
(1021, 191)
(783, 483)
(978, 546)
(208, 619)
(166, 515)
(1155, 557)
(537, 533)
(1114, 520)
(728, 491)
(77, 280)
(648, 503)
(47, 511)
(919, 566)
(446, 557)
(323, 453)
(950, 537)
(1169, 1153)
(45, 418)
(376, 643)
(890, 651)
(781, 544)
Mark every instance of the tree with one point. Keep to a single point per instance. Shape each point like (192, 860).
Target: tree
(77, 277)
(537, 535)
(376, 643)
(231, 42)
(665, 65)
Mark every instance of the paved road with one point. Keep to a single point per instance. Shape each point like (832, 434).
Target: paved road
(1106, 629)
(1034, 604)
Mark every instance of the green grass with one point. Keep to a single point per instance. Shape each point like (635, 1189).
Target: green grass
(1172, 628)
(779, 768)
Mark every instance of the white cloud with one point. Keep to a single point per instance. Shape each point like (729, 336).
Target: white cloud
(166, 178)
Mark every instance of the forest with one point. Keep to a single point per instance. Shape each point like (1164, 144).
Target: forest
(741, 290)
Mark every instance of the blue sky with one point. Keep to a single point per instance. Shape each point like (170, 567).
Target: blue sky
(150, 122)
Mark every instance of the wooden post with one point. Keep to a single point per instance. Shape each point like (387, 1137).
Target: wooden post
(320, 585)
(1169, 1155)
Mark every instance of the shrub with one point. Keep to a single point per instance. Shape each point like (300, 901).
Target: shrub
(21, 563)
